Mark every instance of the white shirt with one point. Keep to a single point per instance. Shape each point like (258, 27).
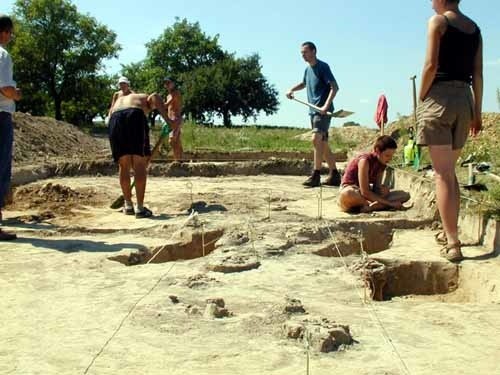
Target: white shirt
(6, 79)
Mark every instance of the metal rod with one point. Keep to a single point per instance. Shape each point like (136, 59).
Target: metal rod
(320, 203)
(414, 101)
(203, 239)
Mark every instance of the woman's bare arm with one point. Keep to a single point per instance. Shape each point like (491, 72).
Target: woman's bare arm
(477, 89)
(435, 29)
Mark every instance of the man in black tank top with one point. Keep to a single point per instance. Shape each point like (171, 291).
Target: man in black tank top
(449, 110)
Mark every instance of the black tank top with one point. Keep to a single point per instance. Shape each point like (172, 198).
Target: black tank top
(456, 54)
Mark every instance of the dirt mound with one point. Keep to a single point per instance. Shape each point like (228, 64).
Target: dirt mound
(346, 135)
(353, 134)
(54, 198)
(38, 139)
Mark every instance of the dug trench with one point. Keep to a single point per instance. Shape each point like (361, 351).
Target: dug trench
(257, 272)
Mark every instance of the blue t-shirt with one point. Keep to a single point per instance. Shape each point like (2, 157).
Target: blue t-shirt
(317, 79)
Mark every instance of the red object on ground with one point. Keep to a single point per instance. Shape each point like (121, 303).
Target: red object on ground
(381, 113)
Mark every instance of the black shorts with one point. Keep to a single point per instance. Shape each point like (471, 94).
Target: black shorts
(129, 133)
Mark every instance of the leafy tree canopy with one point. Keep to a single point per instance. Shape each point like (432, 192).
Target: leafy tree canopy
(231, 87)
(59, 56)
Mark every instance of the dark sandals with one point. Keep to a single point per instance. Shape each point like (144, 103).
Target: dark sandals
(144, 213)
(452, 252)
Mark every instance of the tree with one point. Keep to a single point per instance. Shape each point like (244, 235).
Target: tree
(498, 98)
(182, 48)
(59, 56)
(84, 107)
(231, 87)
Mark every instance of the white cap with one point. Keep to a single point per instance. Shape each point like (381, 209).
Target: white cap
(124, 79)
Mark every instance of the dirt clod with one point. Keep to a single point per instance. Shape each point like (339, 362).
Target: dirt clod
(174, 299)
(199, 281)
(215, 308)
(294, 306)
(319, 333)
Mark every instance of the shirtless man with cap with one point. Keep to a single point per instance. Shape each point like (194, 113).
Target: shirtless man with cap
(129, 139)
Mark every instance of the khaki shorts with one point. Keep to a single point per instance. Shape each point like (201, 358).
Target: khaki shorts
(445, 115)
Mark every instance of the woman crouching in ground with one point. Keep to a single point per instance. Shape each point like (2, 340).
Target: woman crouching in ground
(362, 189)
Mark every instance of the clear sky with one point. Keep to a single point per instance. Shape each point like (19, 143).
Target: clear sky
(373, 47)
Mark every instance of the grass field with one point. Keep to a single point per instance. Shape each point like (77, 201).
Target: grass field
(197, 137)
(251, 138)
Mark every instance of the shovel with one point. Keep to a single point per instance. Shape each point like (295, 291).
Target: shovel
(338, 114)
(165, 130)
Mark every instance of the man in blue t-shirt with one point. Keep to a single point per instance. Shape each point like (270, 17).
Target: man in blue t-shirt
(321, 89)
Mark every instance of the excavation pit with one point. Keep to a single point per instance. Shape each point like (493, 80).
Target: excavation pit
(395, 278)
(373, 239)
(199, 244)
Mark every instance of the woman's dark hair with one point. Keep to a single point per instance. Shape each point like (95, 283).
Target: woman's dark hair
(5, 23)
(384, 142)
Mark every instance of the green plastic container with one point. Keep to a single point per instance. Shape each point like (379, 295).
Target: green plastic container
(409, 152)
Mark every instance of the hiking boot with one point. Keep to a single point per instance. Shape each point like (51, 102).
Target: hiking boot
(333, 179)
(313, 181)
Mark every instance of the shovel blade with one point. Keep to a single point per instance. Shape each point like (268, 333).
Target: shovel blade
(341, 113)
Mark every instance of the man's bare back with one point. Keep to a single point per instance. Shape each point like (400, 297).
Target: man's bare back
(146, 103)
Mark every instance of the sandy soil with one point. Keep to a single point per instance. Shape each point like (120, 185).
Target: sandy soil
(71, 305)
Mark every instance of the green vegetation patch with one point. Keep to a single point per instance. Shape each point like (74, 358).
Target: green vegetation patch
(197, 137)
